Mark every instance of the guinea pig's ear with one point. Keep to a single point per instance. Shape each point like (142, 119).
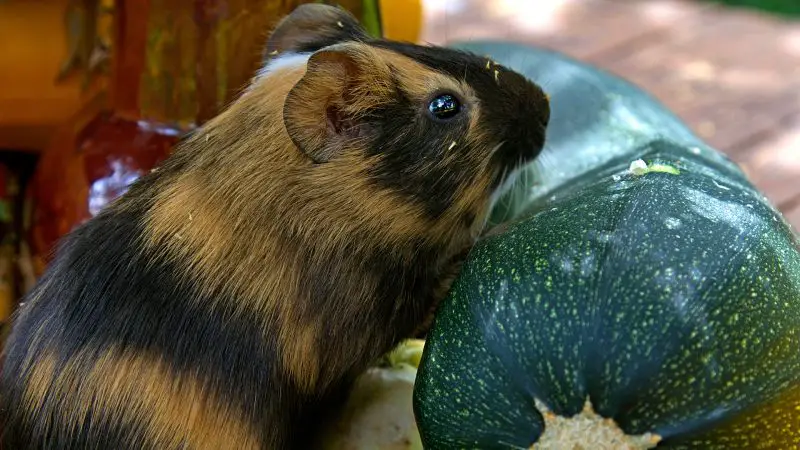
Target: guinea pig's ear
(312, 26)
(326, 111)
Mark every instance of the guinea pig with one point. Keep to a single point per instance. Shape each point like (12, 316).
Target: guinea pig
(229, 298)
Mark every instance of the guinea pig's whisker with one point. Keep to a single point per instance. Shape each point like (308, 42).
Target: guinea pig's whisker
(526, 177)
(496, 149)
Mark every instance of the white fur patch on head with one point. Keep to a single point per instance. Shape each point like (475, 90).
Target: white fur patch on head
(283, 61)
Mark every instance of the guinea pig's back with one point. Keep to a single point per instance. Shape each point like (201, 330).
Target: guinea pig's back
(110, 347)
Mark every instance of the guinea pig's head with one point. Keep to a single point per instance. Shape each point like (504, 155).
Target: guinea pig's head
(442, 128)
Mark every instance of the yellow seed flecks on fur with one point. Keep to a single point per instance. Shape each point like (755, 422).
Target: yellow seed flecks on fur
(496, 75)
(273, 53)
(587, 430)
(488, 64)
(453, 144)
(341, 25)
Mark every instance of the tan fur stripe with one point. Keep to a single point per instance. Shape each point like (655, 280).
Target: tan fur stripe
(137, 390)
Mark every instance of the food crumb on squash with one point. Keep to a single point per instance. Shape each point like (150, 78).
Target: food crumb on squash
(587, 430)
(639, 167)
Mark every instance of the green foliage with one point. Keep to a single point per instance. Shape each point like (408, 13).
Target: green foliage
(790, 8)
(371, 18)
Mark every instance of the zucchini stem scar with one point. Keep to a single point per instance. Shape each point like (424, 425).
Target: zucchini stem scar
(587, 430)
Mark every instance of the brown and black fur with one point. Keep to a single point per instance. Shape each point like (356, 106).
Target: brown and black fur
(230, 297)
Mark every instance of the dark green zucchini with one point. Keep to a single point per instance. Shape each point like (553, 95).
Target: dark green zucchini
(669, 299)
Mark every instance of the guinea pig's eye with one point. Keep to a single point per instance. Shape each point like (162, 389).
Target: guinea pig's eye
(444, 106)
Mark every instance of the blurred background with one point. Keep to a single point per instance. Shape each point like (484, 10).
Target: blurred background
(94, 93)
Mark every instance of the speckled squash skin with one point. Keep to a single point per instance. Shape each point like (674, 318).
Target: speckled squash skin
(671, 301)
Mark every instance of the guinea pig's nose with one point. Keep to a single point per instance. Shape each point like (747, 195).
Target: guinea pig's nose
(524, 138)
(545, 116)
(531, 121)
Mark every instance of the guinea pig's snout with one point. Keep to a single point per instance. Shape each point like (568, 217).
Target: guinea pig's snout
(525, 133)
(519, 116)
(539, 109)
(545, 114)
